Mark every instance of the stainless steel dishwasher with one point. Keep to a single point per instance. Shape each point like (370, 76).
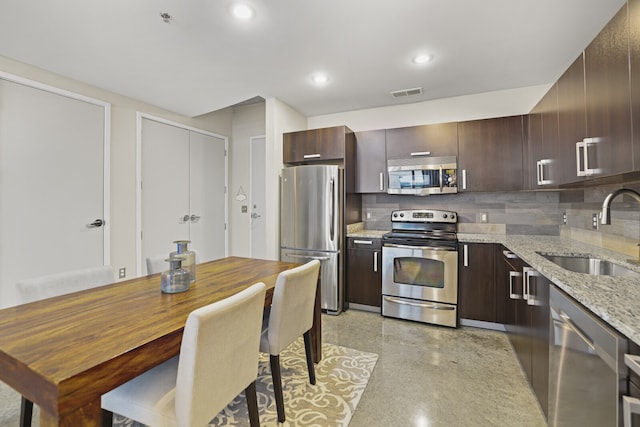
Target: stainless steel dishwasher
(587, 374)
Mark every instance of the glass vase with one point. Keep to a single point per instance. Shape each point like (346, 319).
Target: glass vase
(177, 278)
(189, 257)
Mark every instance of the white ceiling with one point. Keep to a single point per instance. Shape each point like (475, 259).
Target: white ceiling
(204, 60)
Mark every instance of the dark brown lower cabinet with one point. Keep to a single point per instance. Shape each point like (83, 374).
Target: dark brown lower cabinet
(526, 319)
(476, 282)
(530, 339)
(634, 383)
(364, 271)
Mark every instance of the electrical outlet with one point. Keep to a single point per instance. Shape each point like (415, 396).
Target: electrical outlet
(594, 220)
(122, 273)
(564, 218)
(484, 217)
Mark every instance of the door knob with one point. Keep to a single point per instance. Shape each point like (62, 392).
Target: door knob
(184, 218)
(95, 224)
(195, 218)
(255, 216)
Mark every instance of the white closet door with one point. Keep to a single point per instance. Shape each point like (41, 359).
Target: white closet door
(51, 184)
(165, 188)
(207, 190)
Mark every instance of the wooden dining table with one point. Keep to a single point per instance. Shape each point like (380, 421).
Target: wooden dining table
(63, 353)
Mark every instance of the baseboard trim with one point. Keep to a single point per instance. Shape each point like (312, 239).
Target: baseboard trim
(484, 325)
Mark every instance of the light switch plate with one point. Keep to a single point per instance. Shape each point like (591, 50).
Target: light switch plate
(484, 217)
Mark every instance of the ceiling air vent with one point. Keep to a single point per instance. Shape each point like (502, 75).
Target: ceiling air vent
(406, 92)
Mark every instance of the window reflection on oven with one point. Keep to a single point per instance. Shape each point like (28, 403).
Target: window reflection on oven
(418, 271)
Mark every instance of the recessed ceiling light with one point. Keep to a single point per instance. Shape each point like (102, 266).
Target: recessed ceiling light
(242, 11)
(320, 79)
(422, 59)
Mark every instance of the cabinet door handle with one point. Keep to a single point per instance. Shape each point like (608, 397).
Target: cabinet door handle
(311, 156)
(509, 255)
(421, 153)
(581, 158)
(465, 255)
(632, 362)
(528, 294)
(630, 405)
(375, 262)
(512, 293)
(464, 179)
(381, 181)
(363, 242)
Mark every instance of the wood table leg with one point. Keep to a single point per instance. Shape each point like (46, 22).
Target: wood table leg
(86, 416)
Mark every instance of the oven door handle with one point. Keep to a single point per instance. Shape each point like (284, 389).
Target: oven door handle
(417, 304)
(430, 248)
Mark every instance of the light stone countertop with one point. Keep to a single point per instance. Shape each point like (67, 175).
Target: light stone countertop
(614, 299)
(367, 234)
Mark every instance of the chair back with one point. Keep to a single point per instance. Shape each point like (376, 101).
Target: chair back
(157, 264)
(292, 306)
(63, 283)
(218, 355)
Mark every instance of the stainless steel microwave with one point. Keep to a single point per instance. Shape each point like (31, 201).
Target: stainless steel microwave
(423, 176)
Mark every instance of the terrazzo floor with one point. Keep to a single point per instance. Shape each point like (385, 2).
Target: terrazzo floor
(429, 376)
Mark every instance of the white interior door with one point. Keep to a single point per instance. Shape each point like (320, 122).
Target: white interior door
(183, 182)
(258, 193)
(207, 188)
(52, 184)
(164, 188)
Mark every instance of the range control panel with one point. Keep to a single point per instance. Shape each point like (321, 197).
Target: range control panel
(423, 215)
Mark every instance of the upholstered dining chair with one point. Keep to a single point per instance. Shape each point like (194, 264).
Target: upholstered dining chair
(218, 359)
(53, 285)
(290, 316)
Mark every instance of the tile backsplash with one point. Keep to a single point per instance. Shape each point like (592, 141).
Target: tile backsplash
(525, 212)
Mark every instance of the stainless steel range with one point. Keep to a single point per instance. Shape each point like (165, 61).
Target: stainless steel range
(420, 267)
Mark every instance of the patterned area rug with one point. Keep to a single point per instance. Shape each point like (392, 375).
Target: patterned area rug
(341, 378)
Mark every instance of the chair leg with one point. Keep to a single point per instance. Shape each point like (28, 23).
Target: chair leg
(277, 386)
(252, 404)
(26, 412)
(309, 351)
(107, 418)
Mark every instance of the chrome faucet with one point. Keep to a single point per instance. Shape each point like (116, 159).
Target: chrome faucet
(605, 215)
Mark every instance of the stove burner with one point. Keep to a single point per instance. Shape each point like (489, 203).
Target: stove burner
(421, 227)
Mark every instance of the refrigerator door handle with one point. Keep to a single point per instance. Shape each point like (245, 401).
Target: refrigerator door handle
(319, 258)
(332, 208)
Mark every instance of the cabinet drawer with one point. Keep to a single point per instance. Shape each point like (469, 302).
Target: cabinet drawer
(364, 243)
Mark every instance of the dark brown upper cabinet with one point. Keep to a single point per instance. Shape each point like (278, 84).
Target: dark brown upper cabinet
(332, 144)
(543, 165)
(371, 162)
(634, 48)
(572, 124)
(608, 97)
(490, 154)
(428, 140)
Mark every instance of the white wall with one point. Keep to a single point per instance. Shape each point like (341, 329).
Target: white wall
(248, 121)
(281, 118)
(470, 107)
(123, 150)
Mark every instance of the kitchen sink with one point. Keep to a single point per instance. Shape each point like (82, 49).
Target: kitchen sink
(589, 265)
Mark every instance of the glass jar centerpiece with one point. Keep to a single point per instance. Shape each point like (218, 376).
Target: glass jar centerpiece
(177, 278)
(189, 257)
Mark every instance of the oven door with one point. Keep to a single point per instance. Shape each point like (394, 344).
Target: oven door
(422, 273)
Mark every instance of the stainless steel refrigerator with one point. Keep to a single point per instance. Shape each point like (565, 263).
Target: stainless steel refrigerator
(311, 225)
